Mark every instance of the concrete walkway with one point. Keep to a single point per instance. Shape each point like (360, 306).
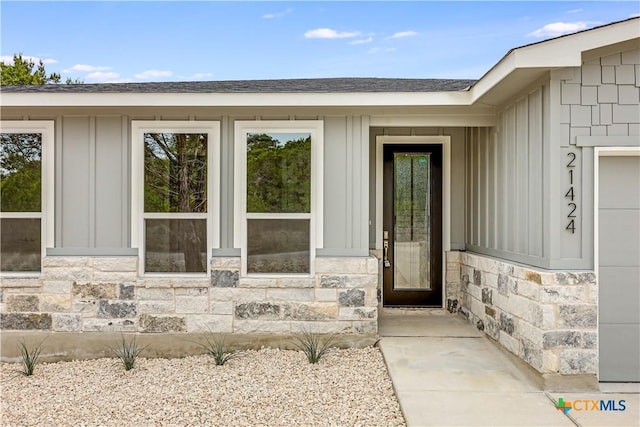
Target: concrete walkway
(446, 373)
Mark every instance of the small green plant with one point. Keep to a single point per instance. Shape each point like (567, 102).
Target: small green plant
(313, 346)
(215, 347)
(128, 352)
(30, 357)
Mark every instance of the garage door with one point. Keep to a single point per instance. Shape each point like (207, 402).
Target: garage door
(619, 267)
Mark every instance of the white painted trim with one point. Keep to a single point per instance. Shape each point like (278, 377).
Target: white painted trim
(138, 129)
(597, 153)
(316, 129)
(445, 141)
(46, 128)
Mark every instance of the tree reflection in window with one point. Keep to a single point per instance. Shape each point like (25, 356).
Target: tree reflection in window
(21, 172)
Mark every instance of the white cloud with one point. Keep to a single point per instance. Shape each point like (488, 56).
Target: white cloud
(103, 77)
(556, 29)
(402, 34)
(575, 11)
(153, 74)
(36, 60)
(83, 68)
(277, 15)
(328, 33)
(362, 41)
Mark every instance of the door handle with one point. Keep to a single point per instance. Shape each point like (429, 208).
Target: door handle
(385, 261)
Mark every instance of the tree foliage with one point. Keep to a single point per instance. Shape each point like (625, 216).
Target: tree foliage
(278, 174)
(24, 71)
(20, 172)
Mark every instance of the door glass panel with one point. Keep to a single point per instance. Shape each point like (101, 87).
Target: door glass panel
(412, 242)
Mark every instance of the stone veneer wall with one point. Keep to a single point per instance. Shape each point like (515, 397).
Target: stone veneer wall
(93, 294)
(547, 318)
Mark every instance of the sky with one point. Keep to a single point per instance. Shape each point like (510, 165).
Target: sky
(121, 41)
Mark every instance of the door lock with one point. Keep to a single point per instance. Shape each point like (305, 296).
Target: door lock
(385, 245)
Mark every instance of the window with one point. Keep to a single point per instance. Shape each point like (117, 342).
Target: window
(175, 195)
(26, 194)
(278, 176)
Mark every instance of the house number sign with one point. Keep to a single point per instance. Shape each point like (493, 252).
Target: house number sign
(570, 195)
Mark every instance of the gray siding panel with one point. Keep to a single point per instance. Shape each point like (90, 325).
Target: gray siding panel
(336, 169)
(76, 190)
(110, 177)
(505, 183)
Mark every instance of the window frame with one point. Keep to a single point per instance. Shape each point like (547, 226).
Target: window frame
(46, 129)
(138, 215)
(316, 129)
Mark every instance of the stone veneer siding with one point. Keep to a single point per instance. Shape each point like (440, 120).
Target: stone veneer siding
(92, 294)
(547, 318)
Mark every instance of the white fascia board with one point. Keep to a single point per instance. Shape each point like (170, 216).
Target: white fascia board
(555, 53)
(235, 99)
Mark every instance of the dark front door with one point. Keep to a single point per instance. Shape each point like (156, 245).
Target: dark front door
(412, 223)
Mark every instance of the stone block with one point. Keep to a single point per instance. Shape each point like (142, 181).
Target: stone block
(607, 94)
(156, 307)
(507, 324)
(549, 318)
(529, 289)
(55, 303)
(531, 354)
(580, 115)
(570, 93)
(342, 265)
(606, 114)
(66, 322)
(577, 316)
(492, 328)
(253, 282)
(261, 327)
(360, 327)
(75, 274)
(151, 323)
(590, 339)
(225, 263)
(351, 298)
(113, 264)
(489, 311)
(155, 294)
(259, 310)
(113, 276)
(326, 295)
(86, 308)
(25, 321)
(237, 294)
(158, 282)
(509, 342)
(56, 287)
(477, 277)
(290, 294)
(625, 74)
(589, 95)
(94, 290)
(192, 291)
(17, 303)
(190, 304)
(562, 339)
(631, 57)
(65, 261)
(333, 281)
(505, 283)
(116, 309)
(361, 281)
(574, 278)
(126, 290)
(575, 362)
(358, 313)
(225, 278)
(629, 95)
(626, 113)
(308, 312)
(221, 307)
(591, 75)
(109, 325)
(530, 333)
(373, 265)
(20, 282)
(550, 362)
(209, 323)
(562, 294)
(615, 59)
(298, 282)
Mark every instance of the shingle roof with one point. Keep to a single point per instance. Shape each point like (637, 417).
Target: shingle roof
(331, 85)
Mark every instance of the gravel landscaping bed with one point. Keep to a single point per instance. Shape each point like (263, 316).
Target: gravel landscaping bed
(268, 387)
